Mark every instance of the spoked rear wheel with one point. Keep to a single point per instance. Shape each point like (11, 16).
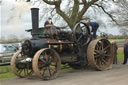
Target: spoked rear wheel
(46, 64)
(19, 67)
(99, 54)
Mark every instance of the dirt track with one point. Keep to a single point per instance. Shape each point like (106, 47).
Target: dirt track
(118, 75)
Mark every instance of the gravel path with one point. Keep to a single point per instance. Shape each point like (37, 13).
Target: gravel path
(118, 75)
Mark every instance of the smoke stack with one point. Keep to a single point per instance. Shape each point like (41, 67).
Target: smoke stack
(35, 22)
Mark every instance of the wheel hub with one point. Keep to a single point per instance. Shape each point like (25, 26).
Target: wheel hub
(102, 54)
(47, 63)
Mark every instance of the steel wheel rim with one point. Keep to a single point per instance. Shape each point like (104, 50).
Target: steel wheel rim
(99, 54)
(22, 73)
(46, 67)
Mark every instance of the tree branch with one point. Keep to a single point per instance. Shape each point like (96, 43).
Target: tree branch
(52, 12)
(83, 2)
(61, 13)
(85, 7)
(107, 13)
(92, 2)
(75, 10)
(53, 2)
(58, 10)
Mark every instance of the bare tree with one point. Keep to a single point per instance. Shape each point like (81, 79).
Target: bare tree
(122, 12)
(122, 15)
(75, 10)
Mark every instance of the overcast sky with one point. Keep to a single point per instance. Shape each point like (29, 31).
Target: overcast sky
(16, 17)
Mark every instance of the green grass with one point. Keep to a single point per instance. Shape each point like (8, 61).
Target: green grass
(5, 73)
(116, 40)
(120, 56)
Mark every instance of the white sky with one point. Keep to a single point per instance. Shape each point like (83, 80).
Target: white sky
(11, 23)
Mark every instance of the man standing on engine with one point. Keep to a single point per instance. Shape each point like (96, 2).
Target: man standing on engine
(48, 23)
(93, 28)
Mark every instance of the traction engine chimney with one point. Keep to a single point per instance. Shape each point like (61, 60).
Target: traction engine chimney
(35, 22)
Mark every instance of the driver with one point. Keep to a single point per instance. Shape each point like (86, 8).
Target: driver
(93, 28)
(48, 23)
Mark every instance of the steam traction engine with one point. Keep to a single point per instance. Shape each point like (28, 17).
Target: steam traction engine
(50, 47)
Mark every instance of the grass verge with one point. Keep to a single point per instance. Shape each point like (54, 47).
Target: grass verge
(120, 56)
(5, 73)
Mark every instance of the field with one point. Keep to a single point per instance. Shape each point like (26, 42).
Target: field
(5, 71)
(120, 57)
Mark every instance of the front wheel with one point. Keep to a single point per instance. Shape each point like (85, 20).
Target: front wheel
(20, 66)
(46, 64)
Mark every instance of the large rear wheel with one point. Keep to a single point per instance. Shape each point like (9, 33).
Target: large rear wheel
(99, 54)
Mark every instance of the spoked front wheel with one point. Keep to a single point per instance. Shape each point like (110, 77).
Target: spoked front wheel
(46, 64)
(20, 66)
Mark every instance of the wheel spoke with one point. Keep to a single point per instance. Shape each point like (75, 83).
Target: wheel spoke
(104, 61)
(97, 56)
(102, 46)
(43, 60)
(79, 38)
(96, 59)
(20, 70)
(107, 55)
(41, 66)
(97, 46)
(100, 63)
(44, 70)
(97, 51)
(51, 54)
(49, 58)
(49, 71)
(107, 47)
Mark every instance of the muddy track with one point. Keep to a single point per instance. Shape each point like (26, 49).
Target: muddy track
(118, 75)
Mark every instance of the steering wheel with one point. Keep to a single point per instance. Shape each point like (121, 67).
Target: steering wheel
(81, 34)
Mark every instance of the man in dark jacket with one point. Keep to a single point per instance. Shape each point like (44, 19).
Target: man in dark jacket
(48, 23)
(125, 52)
(115, 48)
(93, 27)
